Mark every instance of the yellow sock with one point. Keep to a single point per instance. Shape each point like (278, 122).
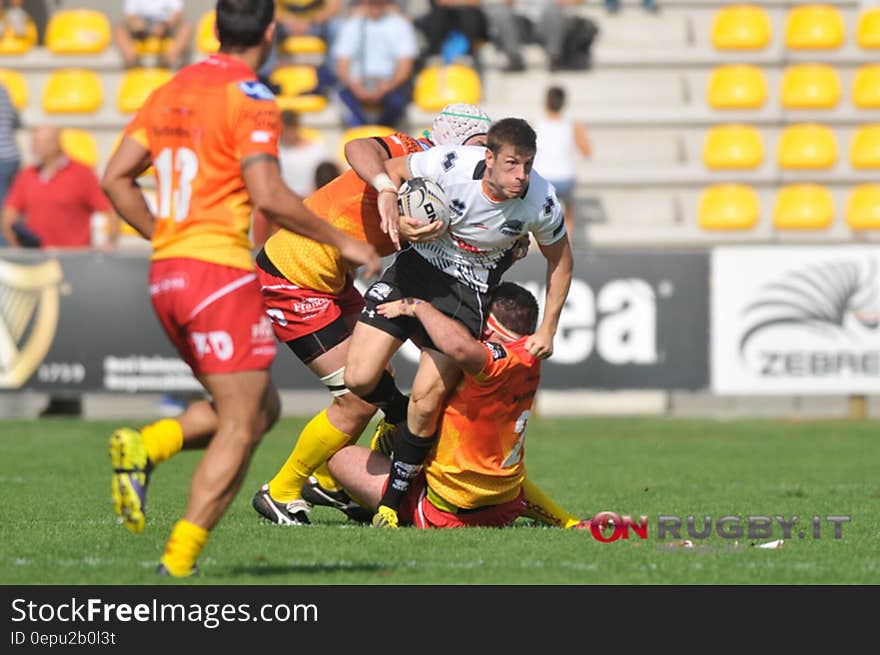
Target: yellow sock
(322, 475)
(183, 548)
(317, 443)
(162, 439)
(541, 507)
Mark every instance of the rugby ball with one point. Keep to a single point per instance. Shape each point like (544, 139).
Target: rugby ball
(424, 200)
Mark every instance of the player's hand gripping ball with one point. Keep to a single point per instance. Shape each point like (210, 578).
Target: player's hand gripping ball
(424, 200)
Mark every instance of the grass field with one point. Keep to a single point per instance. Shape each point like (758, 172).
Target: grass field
(59, 527)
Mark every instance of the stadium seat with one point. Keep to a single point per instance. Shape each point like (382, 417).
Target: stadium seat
(16, 86)
(295, 80)
(72, 90)
(866, 87)
(803, 207)
(868, 28)
(77, 32)
(206, 42)
(810, 86)
(736, 87)
(439, 85)
(807, 146)
(814, 27)
(863, 207)
(152, 45)
(728, 207)
(80, 145)
(733, 147)
(741, 27)
(136, 86)
(864, 150)
(361, 131)
(304, 45)
(303, 104)
(10, 44)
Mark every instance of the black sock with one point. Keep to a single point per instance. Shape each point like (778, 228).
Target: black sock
(383, 393)
(410, 452)
(395, 412)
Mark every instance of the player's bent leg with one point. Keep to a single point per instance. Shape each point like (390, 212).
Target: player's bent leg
(362, 473)
(436, 377)
(539, 506)
(238, 399)
(131, 475)
(369, 351)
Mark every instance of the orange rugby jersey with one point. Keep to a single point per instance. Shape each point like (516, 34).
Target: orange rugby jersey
(198, 127)
(349, 204)
(478, 460)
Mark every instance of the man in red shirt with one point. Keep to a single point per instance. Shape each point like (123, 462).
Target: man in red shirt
(51, 203)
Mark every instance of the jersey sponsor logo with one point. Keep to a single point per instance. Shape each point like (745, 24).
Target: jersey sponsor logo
(498, 351)
(216, 342)
(379, 291)
(166, 284)
(262, 331)
(256, 90)
(457, 206)
(549, 204)
(261, 136)
(512, 227)
(449, 161)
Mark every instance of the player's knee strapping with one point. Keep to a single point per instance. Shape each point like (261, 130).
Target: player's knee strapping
(335, 384)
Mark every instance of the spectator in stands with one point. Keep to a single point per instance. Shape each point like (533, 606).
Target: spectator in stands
(446, 17)
(374, 56)
(613, 6)
(10, 157)
(162, 19)
(565, 36)
(299, 154)
(558, 138)
(52, 201)
(13, 17)
(326, 172)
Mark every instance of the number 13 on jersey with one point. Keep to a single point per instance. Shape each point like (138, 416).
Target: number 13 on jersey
(176, 168)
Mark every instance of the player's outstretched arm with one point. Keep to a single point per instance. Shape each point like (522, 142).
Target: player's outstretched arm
(560, 264)
(271, 196)
(450, 336)
(119, 184)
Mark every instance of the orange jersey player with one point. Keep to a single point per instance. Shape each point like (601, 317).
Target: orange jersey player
(211, 133)
(309, 294)
(475, 474)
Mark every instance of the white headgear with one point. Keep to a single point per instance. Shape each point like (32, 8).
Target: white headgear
(457, 123)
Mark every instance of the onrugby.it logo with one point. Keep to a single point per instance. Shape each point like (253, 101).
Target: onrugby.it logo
(610, 526)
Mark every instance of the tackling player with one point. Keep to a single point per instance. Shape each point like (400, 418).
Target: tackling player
(475, 475)
(495, 199)
(211, 133)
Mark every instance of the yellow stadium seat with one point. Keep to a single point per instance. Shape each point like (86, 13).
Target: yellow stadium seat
(10, 44)
(72, 90)
(78, 32)
(362, 131)
(295, 80)
(304, 45)
(736, 87)
(810, 86)
(16, 86)
(814, 27)
(152, 45)
(206, 42)
(303, 104)
(803, 207)
(728, 207)
(733, 147)
(741, 27)
(80, 145)
(439, 85)
(866, 87)
(868, 28)
(807, 146)
(864, 149)
(863, 207)
(136, 86)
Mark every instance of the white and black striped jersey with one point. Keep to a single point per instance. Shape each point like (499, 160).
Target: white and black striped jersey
(475, 249)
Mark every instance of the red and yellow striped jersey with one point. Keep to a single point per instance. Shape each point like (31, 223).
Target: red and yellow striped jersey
(198, 127)
(348, 203)
(478, 460)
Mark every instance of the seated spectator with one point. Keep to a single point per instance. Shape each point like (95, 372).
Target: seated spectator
(299, 154)
(374, 56)
(558, 139)
(613, 6)
(449, 16)
(52, 201)
(161, 19)
(13, 17)
(565, 36)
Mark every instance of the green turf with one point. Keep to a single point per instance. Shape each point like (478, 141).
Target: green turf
(58, 525)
